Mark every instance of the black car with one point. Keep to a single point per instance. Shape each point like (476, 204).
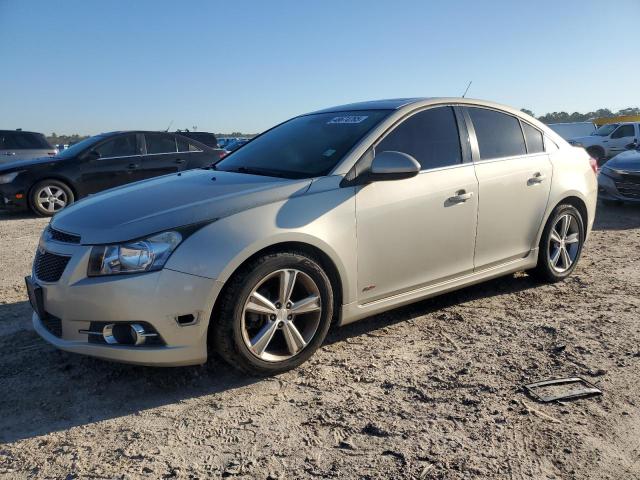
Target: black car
(47, 185)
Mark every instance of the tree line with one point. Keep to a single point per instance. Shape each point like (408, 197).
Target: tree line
(565, 117)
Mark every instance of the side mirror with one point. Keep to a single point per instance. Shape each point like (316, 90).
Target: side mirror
(392, 166)
(92, 155)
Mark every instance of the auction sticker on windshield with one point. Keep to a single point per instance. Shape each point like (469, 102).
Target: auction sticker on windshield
(348, 119)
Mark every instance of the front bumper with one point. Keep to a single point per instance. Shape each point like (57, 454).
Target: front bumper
(608, 189)
(153, 298)
(13, 198)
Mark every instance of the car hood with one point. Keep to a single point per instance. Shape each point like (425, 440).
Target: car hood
(629, 160)
(162, 203)
(18, 165)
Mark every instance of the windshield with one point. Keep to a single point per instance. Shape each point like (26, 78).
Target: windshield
(303, 147)
(76, 148)
(606, 130)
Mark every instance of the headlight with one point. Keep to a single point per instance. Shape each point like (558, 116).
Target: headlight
(8, 177)
(139, 256)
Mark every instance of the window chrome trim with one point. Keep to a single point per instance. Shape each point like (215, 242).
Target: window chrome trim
(148, 155)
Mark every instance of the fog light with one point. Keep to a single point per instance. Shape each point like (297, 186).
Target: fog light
(125, 334)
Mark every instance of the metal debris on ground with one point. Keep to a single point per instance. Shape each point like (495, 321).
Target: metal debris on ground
(560, 389)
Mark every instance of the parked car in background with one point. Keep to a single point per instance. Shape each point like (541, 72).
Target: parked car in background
(609, 140)
(236, 144)
(47, 185)
(223, 142)
(619, 178)
(20, 145)
(571, 130)
(331, 216)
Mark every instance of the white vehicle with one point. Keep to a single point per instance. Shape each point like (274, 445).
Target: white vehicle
(19, 145)
(609, 140)
(572, 130)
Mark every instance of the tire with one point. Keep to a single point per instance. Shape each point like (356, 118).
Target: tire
(48, 197)
(598, 154)
(239, 322)
(553, 241)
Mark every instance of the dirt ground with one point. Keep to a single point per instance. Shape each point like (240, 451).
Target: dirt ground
(432, 390)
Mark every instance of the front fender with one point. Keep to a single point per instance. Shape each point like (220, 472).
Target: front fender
(323, 218)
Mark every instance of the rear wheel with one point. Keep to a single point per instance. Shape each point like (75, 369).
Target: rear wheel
(561, 244)
(274, 314)
(48, 197)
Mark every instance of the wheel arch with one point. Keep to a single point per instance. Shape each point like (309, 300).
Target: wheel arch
(571, 199)
(313, 251)
(58, 178)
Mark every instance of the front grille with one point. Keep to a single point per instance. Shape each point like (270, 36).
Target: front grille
(52, 324)
(48, 267)
(63, 237)
(629, 189)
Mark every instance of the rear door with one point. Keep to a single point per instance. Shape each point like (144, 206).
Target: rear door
(514, 180)
(119, 159)
(161, 157)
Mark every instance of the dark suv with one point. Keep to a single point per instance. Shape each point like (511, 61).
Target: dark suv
(19, 145)
(47, 185)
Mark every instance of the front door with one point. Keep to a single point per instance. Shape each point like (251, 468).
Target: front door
(620, 138)
(119, 158)
(514, 180)
(418, 231)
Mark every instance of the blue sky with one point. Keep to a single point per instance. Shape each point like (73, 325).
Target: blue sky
(91, 66)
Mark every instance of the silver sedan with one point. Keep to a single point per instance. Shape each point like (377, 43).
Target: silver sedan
(327, 218)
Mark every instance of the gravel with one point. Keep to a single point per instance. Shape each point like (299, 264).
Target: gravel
(429, 391)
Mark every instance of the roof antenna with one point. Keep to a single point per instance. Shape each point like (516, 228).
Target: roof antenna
(170, 123)
(467, 89)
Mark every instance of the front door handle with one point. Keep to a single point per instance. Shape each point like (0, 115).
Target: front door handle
(9, 154)
(536, 179)
(461, 196)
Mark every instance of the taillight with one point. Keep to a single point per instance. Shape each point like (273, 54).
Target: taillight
(594, 164)
(222, 154)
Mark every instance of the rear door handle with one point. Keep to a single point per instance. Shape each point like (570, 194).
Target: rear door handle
(180, 161)
(133, 166)
(537, 178)
(10, 153)
(461, 196)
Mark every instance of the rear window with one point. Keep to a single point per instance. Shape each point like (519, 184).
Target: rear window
(499, 135)
(23, 141)
(209, 139)
(533, 136)
(185, 146)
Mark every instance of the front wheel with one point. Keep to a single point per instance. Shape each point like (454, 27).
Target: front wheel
(274, 314)
(48, 197)
(561, 244)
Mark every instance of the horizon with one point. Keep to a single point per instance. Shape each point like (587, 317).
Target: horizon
(89, 68)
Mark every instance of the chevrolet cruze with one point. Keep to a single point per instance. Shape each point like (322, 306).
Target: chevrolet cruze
(326, 218)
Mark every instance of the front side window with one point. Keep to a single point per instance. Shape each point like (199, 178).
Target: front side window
(605, 130)
(623, 131)
(120, 146)
(533, 136)
(303, 147)
(430, 136)
(499, 135)
(160, 143)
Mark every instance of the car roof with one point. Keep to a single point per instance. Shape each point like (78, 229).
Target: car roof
(20, 131)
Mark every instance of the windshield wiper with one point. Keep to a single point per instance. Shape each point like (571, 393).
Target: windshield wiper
(257, 171)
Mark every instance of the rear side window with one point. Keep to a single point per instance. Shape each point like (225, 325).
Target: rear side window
(120, 146)
(430, 136)
(185, 146)
(23, 141)
(533, 136)
(160, 143)
(623, 131)
(499, 135)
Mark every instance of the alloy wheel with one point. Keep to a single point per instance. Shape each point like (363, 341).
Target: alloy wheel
(564, 243)
(51, 198)
(281, 315)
